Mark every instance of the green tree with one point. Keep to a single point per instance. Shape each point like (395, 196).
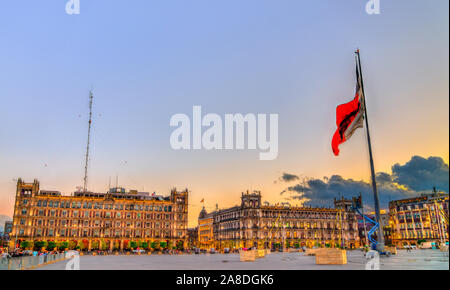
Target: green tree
(95, 245)
(133, 245)
(154, 245)
(51, 245)
(25, 244)
(143, 245)
(63, 245)
(73, 245)
(163, 244)
(103, 246)
(38, 245)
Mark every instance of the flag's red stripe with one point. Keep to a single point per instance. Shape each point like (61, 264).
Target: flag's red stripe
(345, 115)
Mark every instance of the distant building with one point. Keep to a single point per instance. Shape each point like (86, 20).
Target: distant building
(91, 220)
(192, 237)
(252, 224)
(5, 237)
(8, 228)
(205, 230)
(420, 218)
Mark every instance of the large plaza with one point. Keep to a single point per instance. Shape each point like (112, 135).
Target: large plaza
(415, 260)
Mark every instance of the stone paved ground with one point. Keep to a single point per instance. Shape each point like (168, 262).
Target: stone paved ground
(417, 259)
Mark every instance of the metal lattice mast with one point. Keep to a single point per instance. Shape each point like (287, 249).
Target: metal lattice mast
(91, 97)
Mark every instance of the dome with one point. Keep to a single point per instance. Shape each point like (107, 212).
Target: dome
(203, 213)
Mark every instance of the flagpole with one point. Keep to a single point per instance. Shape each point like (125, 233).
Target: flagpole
(380, 245)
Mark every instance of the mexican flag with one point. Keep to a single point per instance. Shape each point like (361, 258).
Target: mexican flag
(349, 117)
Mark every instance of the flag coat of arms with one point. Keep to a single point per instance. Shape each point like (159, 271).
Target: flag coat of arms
(349, 117)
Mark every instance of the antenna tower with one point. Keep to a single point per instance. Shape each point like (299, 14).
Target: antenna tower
(91, 97)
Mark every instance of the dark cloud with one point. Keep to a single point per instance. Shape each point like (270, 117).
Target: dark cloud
(287, 177)
(323, 192)
(421, 174)
(406, 181)
(383, 177)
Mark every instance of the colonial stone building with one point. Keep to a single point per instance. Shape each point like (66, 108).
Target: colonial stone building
(205, 230)
(420, 218)
(270, 226)
(91, 220)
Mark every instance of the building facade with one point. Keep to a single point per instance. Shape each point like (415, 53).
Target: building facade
(280, 226)
(4, 239)
(192, 237)
(421, 218)
(8, 228)
(205, 230)
(90, 220)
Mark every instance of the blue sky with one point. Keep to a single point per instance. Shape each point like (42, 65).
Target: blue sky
(148, 60)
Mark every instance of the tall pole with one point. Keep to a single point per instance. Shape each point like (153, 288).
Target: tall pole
(88, 141)
(380, 245)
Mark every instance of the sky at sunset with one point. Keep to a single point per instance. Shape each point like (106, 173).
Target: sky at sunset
(147, 60)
